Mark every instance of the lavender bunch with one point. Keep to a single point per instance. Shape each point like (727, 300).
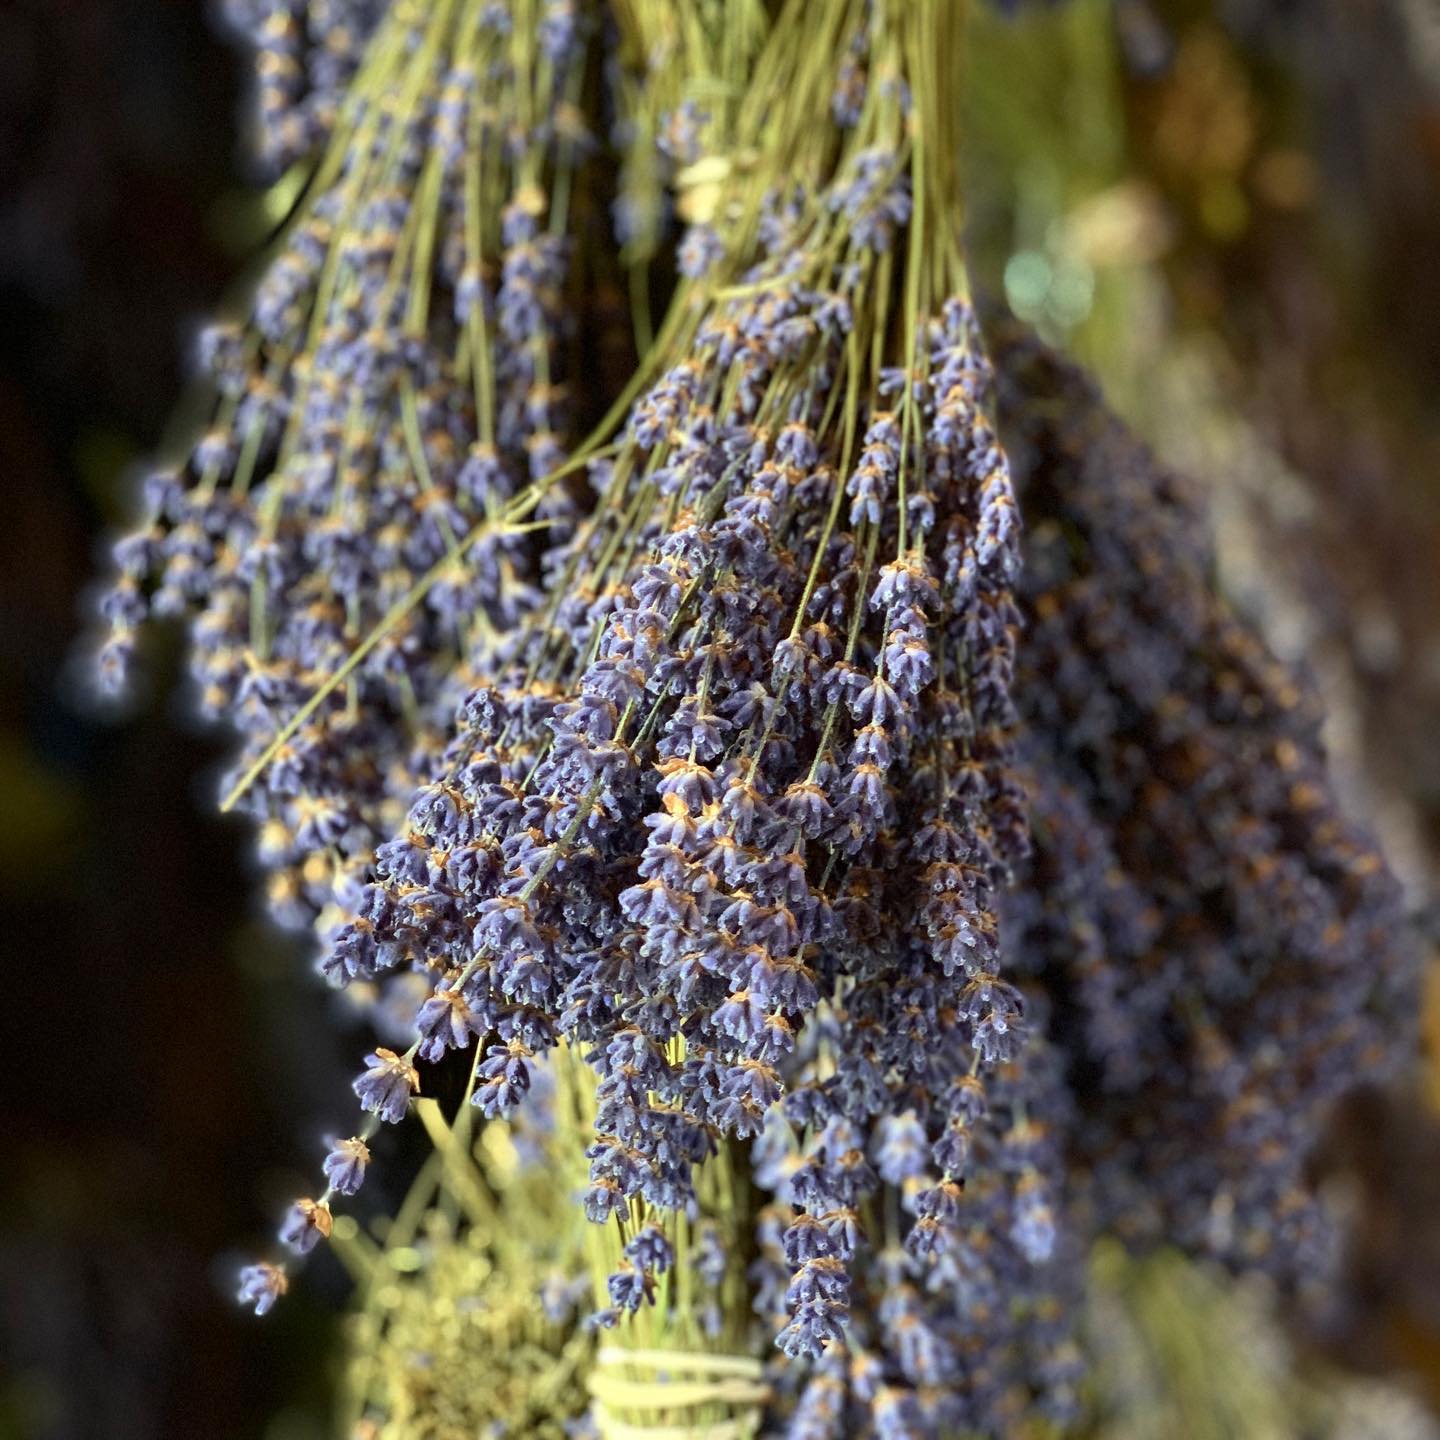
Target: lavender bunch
(732, 812)
(396, 379)
(1226, 951)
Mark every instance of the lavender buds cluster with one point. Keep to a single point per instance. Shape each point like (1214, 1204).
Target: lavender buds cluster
(395, 380)
(304, 53)
(1225, 950)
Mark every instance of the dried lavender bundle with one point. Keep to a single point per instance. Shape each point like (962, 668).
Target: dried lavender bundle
(732, 815)
(766, 707)
(396, 378)
(1226, 951)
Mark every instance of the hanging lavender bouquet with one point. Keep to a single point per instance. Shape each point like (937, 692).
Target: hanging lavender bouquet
(867, 904)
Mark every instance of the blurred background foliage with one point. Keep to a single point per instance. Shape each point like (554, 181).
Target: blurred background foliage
(1228, 208)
